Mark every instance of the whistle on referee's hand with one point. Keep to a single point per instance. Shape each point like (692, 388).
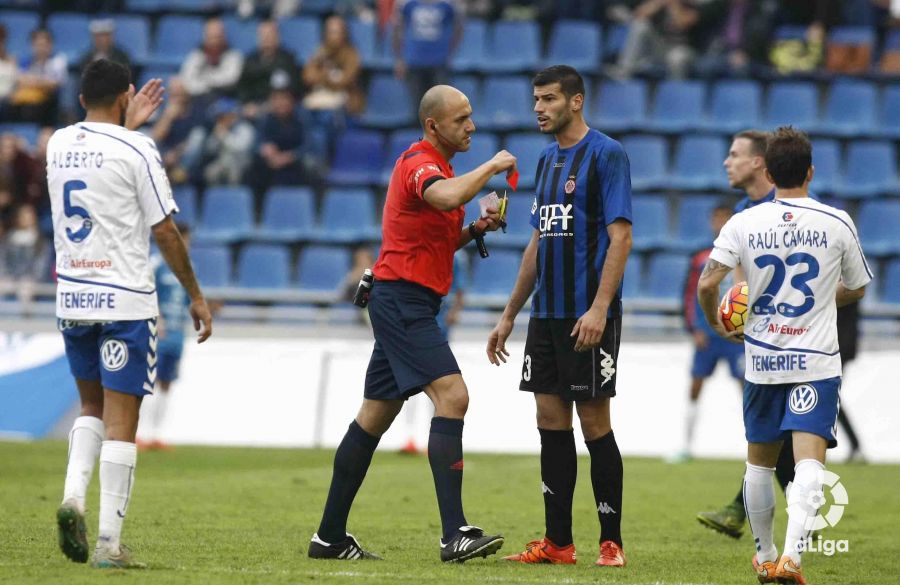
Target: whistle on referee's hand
(479, 240)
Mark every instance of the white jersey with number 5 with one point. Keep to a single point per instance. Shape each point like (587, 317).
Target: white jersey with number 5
(794, 252)
(107, 188)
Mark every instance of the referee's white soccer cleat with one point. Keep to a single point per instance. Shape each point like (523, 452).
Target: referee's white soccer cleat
(470, 542)
(348, 549)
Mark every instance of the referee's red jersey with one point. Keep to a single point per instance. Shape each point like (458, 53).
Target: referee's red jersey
(418, 241)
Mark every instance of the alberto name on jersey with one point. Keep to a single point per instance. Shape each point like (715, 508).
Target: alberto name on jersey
(107, 188)
(794, 252)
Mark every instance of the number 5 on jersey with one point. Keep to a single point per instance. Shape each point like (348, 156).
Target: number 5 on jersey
(75, 211)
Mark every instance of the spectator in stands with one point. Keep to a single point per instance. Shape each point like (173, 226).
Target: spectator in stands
(791, 55)
(103, 45)
(279, 8)
(173, 128)
(222, 154)
(270, 65)
(332, 76)
(212, 69)
(22, 251)
(9, 70)
(36, 97)
(281, 150)
(668, 33)
(740, 46)
(426, 32)
(6, 207)
(19, 172)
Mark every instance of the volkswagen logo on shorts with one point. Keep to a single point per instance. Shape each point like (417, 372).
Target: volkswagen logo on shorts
(114, 354)
(803, 399)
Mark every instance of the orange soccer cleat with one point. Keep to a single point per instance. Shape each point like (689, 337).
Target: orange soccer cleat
(544, 551)
(611, 555)
(789, 572)
(765, 571)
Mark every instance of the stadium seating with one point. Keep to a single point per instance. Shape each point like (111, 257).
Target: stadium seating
(358, 158)
(889, 113)
(859, 38)
(484, 146)
(24, 130)
(288, 215)
(827, 162)
(792, 102)
(397, 144)
(651, 222)
(735, 105)
(871, 169)
(698, 163)
(388, 104)
(891, 285)
(518, 218)
(186, 199)
(470, 53)
(469, 85)
(850, 109)
(133, 35)
(647, 155)
(347, 216)
(322, 269)
(365, 38)
(301, 35)
(678, 106)
(227, 215)
(144, 5)
(576, 43)
(877, 225)
(263, 266)
(70, 34)
(513, 46)
(666, 275)
(506, 102)
(176, 36)
(615, 40)
(527, 149)
(18, 29)
(631, 281)
(693, 231)
(241, 32)
(619, 106)
(493, 277)
(212, 265)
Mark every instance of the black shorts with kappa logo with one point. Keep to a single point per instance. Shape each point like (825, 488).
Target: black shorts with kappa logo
(552, 366)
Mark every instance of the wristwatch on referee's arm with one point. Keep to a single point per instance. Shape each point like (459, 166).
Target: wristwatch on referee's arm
(478, 236)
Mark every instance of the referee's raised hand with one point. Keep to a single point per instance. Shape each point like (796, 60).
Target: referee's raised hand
(504, 161)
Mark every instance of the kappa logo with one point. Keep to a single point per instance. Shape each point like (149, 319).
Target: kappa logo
(607, 367)
(605, 508)
(546, 490)
(803, 399)
(114, 354)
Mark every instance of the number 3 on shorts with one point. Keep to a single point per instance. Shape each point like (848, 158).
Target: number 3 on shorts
(526, 370)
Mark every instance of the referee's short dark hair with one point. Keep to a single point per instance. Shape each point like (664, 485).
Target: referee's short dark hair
(569, 80)
(103, 81)
(788, 157)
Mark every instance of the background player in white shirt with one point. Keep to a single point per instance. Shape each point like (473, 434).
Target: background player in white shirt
(802, 259)
(108, 192)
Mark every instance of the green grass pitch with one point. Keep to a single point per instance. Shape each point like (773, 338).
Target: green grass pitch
(244, 516)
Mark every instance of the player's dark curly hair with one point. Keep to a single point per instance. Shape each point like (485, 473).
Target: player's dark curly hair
(569, 80)
(103, 81)
(788, 157)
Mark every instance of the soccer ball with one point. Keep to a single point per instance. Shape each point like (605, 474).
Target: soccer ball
(733, 308)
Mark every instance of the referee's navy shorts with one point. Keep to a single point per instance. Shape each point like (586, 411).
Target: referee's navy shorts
(410, 350)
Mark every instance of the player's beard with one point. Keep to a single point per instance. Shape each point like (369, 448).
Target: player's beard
(565, 118)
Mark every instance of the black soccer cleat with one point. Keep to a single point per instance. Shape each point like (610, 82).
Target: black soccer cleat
(346, 550)
(470, 542)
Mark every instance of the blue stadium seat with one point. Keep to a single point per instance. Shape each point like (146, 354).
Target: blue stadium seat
(736, 105)
(347, 216)
(493, 277)
(470, 53)
(619, 105)
(18, 29)
(227, 215)
(527, 149)
(322, 269)
(176, 36)
(241, 32)
(484, 146)
(877, 224)
(871, 169)
(793, 102)
(27, 131)
(790, 32)
(648, 158)
(388, 103)
(144, 5)
(318, 7)
(850, 108)
(698, 163)
(853, 36)
(193, 5)
(365, 39)
(666, 274)
(212, 264)
(631, 280)
(288, 215)
(889, 113)
(827, 161)
(302, 35)
(651, 222)
(358, 157)
(678, 106)
(70, 34)
(518, 219)
(263, 266)
(186, 199)
(616, 36)
(693, 231)
(506, 103)
(133, 35)
(577, 43)
(891, 284)
(148, 73)
(513, 46)
(397, 144)
(471, 86)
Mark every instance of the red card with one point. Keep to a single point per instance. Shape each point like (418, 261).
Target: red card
(512, 179)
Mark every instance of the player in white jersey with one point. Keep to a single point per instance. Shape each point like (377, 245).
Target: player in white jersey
(108, 193)
(803, 260)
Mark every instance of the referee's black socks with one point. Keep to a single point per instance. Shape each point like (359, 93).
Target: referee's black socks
(351, 462)
(559, 468)
(445, 454)
(606, 477)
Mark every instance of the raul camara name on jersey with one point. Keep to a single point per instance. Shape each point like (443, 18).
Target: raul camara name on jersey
(772, 240)
(77, 160)
(553, 216)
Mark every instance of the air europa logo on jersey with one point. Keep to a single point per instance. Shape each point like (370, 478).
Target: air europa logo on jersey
(69, 263)
(786, 329)
(556, 216)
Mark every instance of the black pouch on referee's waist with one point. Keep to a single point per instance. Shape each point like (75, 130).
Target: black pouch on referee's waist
(361, 298)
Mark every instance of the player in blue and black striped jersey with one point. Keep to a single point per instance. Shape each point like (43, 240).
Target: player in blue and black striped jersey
(574, 264)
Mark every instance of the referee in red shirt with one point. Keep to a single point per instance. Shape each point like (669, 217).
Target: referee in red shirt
(422, 227)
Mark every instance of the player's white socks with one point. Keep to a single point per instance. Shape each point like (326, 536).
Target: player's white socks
(759, 501)
(690, 421)
(117, 462)
(804, 502)
(85, 439)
